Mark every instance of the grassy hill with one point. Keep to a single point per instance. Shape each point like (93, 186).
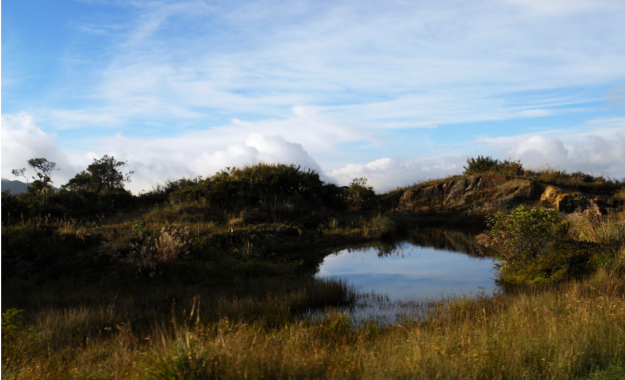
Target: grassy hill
(210, 277)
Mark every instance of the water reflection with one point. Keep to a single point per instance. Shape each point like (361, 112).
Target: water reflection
(447, 240)
(395, 278)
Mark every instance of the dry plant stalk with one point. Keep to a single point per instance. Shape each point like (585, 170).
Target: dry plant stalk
(167, 247)
(606, 229)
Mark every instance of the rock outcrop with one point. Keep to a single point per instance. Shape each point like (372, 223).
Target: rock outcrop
(468, 191)
(567, 202)
(499, 191)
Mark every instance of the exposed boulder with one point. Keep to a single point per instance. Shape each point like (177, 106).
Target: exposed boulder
(567, 202)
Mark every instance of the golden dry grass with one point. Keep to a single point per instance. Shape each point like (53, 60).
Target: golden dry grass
(559, 333)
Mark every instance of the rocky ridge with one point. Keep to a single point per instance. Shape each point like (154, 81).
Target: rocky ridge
(499, 191)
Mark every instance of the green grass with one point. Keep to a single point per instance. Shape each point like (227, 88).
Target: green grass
(226, 295)
(229, 318)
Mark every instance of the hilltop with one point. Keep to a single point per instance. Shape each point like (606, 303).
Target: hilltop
(208, 277)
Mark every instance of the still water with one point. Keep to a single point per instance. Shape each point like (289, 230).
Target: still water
(396, 279)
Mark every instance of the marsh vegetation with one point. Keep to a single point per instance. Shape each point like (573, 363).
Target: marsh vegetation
(215, 278)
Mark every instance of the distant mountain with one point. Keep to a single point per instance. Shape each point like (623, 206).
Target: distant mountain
(16, 187)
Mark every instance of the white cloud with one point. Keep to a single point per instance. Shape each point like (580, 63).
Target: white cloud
(557, 7)
(154, 161)
(23, 140)
(387, 174)
(600, 150)
(597, 147)
(406, 64)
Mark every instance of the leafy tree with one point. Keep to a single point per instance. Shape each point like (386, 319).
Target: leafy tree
(82, 181)
(21, 173)
(102, 175)
(43, 173)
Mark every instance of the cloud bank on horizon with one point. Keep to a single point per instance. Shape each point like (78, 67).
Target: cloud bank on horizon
(399, 92)
(206, 152)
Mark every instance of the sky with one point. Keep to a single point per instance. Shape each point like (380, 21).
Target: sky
(411, 271)
(396, 91)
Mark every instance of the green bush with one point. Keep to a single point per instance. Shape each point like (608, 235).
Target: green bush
(564, 260)
(12, 208)
(359, 193)
(523, 234)
(384, 225)
(482, 164)
(11, 323)
(268, 191)
(532, 247)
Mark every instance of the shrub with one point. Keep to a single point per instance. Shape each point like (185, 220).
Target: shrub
(384, 225)
(522, 234)
(577, 180)
(532, 247)
(482, 164)
(12, 208)
(250, 186)
(11, 323)
(359, 192)
(564, 260)
(165, 248)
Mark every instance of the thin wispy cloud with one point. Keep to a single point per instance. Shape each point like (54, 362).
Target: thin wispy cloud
(433, 63)
(359, 87)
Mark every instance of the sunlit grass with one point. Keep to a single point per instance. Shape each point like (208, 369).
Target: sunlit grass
(559, 333)
(238, 304)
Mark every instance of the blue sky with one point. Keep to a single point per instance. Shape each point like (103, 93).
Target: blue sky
(412, 271)
(395, 91)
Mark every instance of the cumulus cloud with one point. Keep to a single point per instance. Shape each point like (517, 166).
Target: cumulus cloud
(598, 151)
(386, 173)
(23, 140)
(590, 153)
(158, 160)
(597, 147)
(154, 161)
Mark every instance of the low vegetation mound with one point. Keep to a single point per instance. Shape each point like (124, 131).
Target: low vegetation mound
(214, 278)
(489, 185)
(262, 191)
(539, 246)
(483, 165)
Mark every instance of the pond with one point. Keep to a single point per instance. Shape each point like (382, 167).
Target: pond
(396, 279)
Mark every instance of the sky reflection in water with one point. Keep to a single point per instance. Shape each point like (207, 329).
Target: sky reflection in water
(411, 271)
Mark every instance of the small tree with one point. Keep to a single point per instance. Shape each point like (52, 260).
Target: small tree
(21, 173)
(103, 174)
(82, 181)
(43, 173)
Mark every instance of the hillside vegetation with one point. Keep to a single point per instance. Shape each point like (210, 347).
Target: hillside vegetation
(211, 277)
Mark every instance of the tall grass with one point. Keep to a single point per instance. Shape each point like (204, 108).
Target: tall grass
(602, 229)
(569, 332)
(236, 305)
